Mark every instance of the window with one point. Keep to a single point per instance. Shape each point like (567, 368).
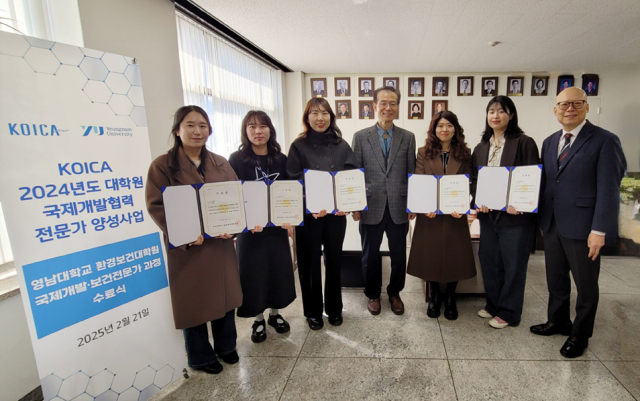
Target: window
(227, 82)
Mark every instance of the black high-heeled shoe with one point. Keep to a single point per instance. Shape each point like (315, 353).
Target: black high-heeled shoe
(450, 308)
(435, 300)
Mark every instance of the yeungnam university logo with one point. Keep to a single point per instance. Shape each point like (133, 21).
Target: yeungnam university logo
(110, 131)
(92, 129)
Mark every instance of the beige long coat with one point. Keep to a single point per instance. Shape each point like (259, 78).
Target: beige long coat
(441, 247)
(204, 280)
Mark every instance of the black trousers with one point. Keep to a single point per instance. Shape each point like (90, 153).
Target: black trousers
(563, 255)
(200, 353)
(371, 235)
(504, 257)
(317, 234)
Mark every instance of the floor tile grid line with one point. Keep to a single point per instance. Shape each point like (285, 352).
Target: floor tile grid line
(294, 365)
(444, 344)
(614, 376)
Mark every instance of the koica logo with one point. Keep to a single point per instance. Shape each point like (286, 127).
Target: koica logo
(33, 130)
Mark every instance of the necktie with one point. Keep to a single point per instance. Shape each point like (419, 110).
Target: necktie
(385, 139)
(565, 148)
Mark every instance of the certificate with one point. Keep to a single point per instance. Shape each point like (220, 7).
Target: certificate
(492, 187)
(454, 194)
(350, 190)
(422, 194)
(524, 188)
(256, 203)
(318, 187)
(181, 214)
(286, 202)
(222, 208)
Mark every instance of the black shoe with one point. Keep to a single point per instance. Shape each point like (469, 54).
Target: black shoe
(230, 358)
(258, 336)
(450, 308)
(212, 368)
(549, 329)
(335, 320)
(280, 327)
(573, 347)
(315, 323)
(435, 300)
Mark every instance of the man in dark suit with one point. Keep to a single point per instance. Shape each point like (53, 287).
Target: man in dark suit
(489, 90)
(583, 166)
(343, 90)
(366, 112)
(318, 88)
(366, 89)
(343, 112)
(388, 154)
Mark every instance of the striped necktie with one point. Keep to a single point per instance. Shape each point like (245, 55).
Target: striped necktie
(565, 148)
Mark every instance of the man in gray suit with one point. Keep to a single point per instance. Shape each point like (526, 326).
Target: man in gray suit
(388, 154)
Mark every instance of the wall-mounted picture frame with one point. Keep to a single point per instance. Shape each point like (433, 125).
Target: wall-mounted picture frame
(465, 86)
(590, 84)
(416, 110)
(539, 86)
(366, 86)
(515, 86)
(343, 86)
(343, 109)
(319, 87)
(440, 86)
(416, 87)
(366, 109)
(564, 82)
(394, 82)
(489, 86)
(438, 106)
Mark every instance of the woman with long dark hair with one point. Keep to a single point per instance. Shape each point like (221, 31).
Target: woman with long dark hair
(264, 256)
(320, 147)
(441, 252)
(203, 275)
(505, 236)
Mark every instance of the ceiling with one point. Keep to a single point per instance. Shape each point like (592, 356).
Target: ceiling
(378, 36)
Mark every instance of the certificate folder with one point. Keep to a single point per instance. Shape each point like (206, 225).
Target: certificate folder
(440, 194)
(213, 209)
(335, 191)
(499, 187)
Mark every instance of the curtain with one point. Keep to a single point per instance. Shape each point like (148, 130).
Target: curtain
(227, 82)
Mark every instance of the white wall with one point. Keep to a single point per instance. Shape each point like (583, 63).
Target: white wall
(615, 108)
(145, 29)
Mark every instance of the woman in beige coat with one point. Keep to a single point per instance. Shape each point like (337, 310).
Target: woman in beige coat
(441, 250)
(203, 276)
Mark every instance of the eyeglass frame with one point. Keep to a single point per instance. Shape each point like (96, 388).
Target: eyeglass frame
(584, 103)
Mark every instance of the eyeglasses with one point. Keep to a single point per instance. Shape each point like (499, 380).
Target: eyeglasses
(383, 105)
(578, 104)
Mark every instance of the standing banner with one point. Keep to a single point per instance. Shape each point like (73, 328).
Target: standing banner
(74, 154)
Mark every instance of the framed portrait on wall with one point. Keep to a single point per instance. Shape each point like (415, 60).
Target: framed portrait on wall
(489, 86)
(438, 106)
(539, 86)
(366, 87)
(416, 86)
(343, 86)
(564, 82)
(416, 109)
(590, 84)
(465, 86)
(319, 87)
(440, 86)
(343, 109)
(392, 82)
(515, 86)
(366, 109)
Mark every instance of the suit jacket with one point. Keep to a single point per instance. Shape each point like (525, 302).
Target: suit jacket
(519, 151)
(490, 91)
(364, 92)
(584, 194)
(385, 184)
(316, 93)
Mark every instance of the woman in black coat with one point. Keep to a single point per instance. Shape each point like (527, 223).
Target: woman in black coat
(320, 147)
(505, 236)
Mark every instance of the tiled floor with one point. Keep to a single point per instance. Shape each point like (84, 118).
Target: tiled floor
(412, 357)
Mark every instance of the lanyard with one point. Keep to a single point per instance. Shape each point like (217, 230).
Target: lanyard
(265, 177)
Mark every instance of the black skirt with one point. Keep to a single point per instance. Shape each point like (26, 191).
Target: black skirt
(266, 271)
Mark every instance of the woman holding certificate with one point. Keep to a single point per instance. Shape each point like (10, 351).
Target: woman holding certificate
(441, 250)
(320, 147)
(505, 236)
(203, 275)
(264, 256)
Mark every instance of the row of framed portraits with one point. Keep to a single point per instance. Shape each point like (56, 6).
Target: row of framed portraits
(365, 109)
(440, 85)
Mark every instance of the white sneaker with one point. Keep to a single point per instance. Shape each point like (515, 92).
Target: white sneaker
(484, 314)
(498, 323)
